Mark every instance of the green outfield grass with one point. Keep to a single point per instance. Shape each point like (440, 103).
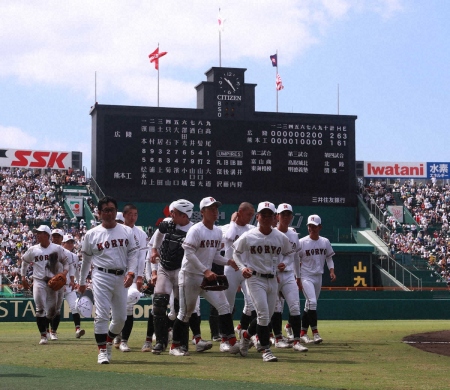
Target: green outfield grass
(354, 355)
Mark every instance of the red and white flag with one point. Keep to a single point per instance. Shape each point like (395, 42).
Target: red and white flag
(278, 83)
(155, 56)
(221, 21)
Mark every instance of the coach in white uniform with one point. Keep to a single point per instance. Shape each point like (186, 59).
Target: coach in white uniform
(260, 254)
(314, 251)
(112, 249)
(45, 299)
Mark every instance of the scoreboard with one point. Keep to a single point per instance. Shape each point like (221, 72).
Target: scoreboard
(224, 149)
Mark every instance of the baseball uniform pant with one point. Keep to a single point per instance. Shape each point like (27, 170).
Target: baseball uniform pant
(311, 290)
(45, 299)
(263, 293)
(235, 279)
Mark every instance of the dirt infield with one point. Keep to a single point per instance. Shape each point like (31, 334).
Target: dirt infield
(434, 342)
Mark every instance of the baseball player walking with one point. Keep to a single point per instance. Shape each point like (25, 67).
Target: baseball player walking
(314, 250)
(239, 224)
(202, 247)
(288, 282)
(70, 295)
(130, 216)
(260, 254)
(46, 300)
(112, 250)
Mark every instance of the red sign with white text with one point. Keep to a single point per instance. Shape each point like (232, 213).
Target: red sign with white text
(35, 159)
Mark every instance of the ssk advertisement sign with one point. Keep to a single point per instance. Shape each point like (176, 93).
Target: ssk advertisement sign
(43, 159)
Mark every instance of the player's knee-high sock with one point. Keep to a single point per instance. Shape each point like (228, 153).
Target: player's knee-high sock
(214, 322)
(312, 314)
(195, 325)
(305, 323)
(263, 335)
(55, 322)
(128, 327)
(76, 320)
(245, 321)
(226, 325)
(296, 324)
(252, 328)
(41, 323)
(276, 321)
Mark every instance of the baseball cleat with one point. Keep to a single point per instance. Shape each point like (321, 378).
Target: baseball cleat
(79, 333)
(305, 339)
(109, 351)
(244, 346)
(282, 344)
(268, 356)
(117, 341)
(158, 348)
(124, 347)
(317, 338)
(147, 347)
(53, 336)
(102, 357)
(235, 349)
(48, 335)
(43, 341)
(178, 352)
(300, 348)
(225, 346)
(203, 345)
(289, 332)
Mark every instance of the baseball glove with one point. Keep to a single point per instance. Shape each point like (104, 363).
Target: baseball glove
(57, 282)
(220, 284)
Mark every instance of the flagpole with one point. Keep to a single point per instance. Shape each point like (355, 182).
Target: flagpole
(338, 98)
(220, 45)
(158, 76)
(95, 87)
(276, 89)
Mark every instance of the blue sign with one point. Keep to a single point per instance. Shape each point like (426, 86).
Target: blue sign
(439, 170)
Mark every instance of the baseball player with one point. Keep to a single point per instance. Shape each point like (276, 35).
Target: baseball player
(130, 216)
(239, 224)
(44, 268)
(314, 250)
(260, 253)
(70, 295)
(288, 281)
(112, 250)
(68, 292)
(202, 247)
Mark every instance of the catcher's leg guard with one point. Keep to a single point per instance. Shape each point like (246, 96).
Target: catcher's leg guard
(160, 302)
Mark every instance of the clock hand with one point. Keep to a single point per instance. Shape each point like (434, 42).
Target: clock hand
(229, 82)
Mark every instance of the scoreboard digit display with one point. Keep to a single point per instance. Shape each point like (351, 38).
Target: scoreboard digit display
(146, 154)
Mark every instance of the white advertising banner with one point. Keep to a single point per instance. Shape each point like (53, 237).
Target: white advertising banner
(395, 169)
(35, 159)
(397, 212)
(76, 205)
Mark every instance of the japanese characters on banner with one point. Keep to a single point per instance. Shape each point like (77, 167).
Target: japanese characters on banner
(398, 170)
(397, 212)
(76, 205)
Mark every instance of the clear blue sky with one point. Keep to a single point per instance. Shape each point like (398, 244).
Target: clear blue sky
(390, 59)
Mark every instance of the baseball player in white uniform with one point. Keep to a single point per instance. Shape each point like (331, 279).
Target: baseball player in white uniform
(239, 224)
(112, 250)
(314, 250)
(202, 247)
(130, 216)
(68, 291)
(45, 299)
(288, 283)
(260, 254)
(70, 294)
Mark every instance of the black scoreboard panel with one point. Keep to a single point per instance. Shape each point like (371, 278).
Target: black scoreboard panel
(158, 155)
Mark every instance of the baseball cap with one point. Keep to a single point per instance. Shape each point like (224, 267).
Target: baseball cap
(68, 237)
(209, 201)
(266, 205)
(43, 228)
(58, 231)
(119, 217)
(284, 207)
(314, 220)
